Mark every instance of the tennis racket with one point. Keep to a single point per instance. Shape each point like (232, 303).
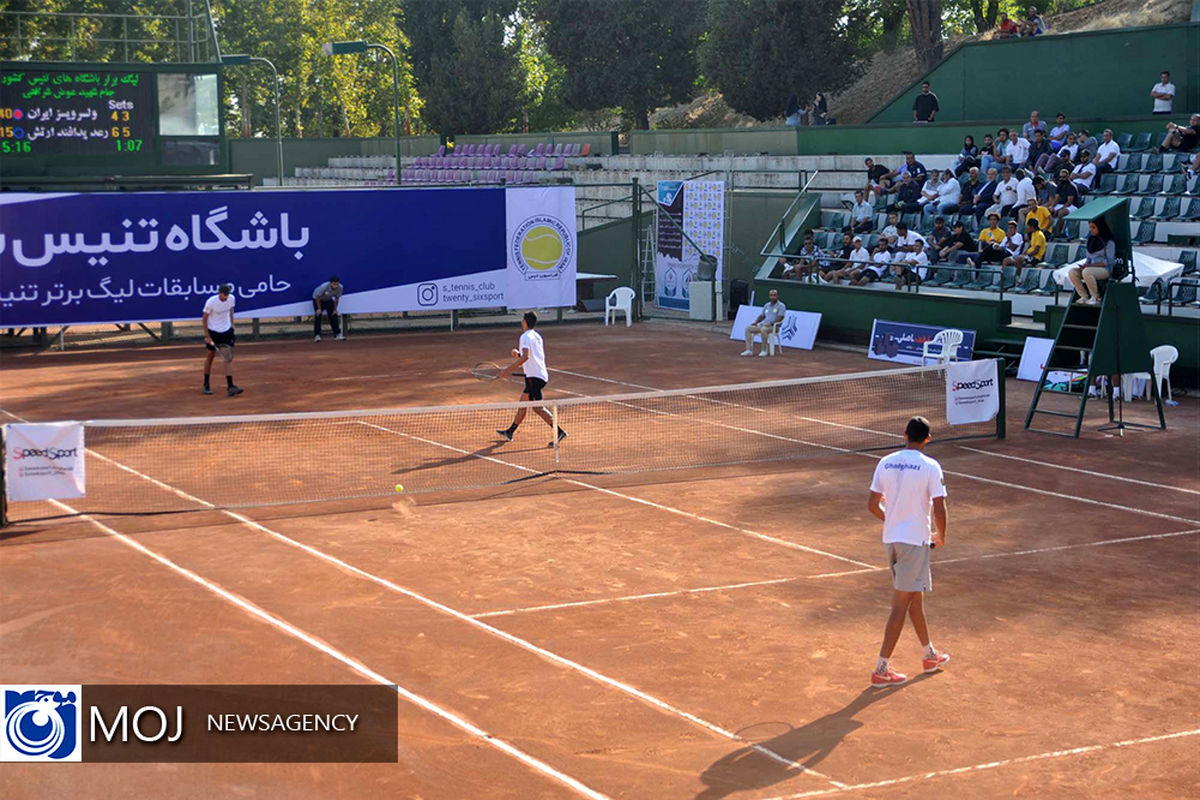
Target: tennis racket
(226, 352)
(490, 371)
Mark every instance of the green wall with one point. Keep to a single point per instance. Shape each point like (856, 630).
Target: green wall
(715, 141)
(1006, 79)
(257, 156)
(754, 216)
(847, 314)
(1182, 332)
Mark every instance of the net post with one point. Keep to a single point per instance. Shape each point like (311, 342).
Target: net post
(3, 478)
(554, 429)
(1001, 371)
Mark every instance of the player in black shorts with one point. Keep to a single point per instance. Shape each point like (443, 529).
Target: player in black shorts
(218, 331)
(530, 354)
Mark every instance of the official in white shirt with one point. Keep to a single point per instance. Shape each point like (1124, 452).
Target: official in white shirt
(906, 487)
(1163, 93)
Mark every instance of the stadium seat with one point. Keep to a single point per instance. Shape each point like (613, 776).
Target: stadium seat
(1153, 163)
(1128, 184)
(1154, 185)
(1183, 292)
(1170, 210)
(1123, 141)
(1176, 185)
(1192, 212)
(940, 276)
(1188, 259)
(1056, 256)
(1145, 233)
(911, 220)
(1107, 184)
(560, 163)
(1129, 162)
(1145, 209)
(587, 149)
(983, 279)
(1031, 278)
(1154, 294)
(1140, 143)
(1006, 279)
(962, 278)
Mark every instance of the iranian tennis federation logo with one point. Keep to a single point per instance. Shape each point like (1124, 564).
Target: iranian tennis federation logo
(41, 723)
(541, 247)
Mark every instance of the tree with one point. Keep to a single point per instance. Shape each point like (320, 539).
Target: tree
(758, 52)
(925, 20)
(636, 54)
(984, 20)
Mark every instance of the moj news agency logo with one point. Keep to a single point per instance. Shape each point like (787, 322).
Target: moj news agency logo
(41, 723)
(541, 247)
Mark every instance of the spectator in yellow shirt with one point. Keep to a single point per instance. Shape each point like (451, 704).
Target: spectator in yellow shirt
(1038, 212)
(1035, 247)
(991, 242)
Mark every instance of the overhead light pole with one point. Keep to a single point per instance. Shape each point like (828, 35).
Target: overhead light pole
(237, 59)
(346, 48)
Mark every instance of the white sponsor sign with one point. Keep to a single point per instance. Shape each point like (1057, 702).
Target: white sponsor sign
(541, 245)
(972, 391)
(799, 328)
(1033, 358)
(44, 460)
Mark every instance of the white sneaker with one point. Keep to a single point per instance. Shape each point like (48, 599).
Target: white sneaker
(340, 338)
(317, 338)
(763, 354)
(747, 352)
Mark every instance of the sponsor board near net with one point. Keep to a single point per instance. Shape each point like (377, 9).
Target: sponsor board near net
(903, 342)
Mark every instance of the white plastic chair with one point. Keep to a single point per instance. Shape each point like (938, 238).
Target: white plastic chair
(1162, 357)
(774, 345)
(949, 339)
(619, 299)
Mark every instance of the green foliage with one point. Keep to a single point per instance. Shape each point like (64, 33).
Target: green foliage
(635, 54)
(758, 52)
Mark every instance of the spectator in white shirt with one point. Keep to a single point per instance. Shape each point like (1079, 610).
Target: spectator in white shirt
(1013, 239)
(1025, 188)
(1006, 193)
(1085, 173)
(1107, 154)
(909, 268)
(949, 192)
(1017, 152)
(861, 214)
(1163, 93)
(1058, 134)
(880, 260)
(856, 259)
(889, 230)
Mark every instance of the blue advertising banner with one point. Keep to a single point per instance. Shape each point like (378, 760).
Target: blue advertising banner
(902, 342)
(87, 258)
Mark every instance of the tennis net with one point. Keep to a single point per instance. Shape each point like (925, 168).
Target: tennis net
(191, 463)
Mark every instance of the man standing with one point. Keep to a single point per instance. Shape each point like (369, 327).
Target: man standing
(910, 482)
(771, 315)
(1163, 93)
(531, 351)
(325, 301)
(925, 106)
(218, 332)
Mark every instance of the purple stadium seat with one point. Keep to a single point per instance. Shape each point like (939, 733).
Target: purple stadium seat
(512, 150)
(540, 149)
(441, 151)
(560, 163)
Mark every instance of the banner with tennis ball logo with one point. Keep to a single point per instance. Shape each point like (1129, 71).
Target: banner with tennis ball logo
(542, 248)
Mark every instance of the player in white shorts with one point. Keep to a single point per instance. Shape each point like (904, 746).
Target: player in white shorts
(910, 483)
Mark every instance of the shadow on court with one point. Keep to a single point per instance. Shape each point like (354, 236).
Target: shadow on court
(747, 769)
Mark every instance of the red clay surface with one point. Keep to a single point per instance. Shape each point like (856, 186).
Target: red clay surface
(637, 633)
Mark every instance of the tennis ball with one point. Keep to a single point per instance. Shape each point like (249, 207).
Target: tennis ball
(542, 247)
(399, 488)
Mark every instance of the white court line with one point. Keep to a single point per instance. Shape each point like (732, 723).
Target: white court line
(1094, 474)
(798, 578)
(312, 641)
(1074, 751)
(670, 509)
(441, 607)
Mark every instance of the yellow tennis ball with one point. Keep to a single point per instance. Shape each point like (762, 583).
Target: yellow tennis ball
(542, 247)
(399, 488)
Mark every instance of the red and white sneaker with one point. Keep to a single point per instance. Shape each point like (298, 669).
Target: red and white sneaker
(889, 678)
(938, 661)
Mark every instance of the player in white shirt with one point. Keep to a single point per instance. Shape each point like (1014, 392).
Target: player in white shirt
(218, 331)
(907, 485)
(530, 354)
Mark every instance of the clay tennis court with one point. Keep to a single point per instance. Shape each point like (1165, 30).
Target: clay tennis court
(702, 633)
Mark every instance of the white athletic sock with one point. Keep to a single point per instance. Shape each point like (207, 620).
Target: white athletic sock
(929, 651)
(882, 666)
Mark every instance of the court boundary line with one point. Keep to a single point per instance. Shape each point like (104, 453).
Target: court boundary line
(513, 639)
(1092, 473)
(800, 578)
(1074, 751)
(266, 617)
